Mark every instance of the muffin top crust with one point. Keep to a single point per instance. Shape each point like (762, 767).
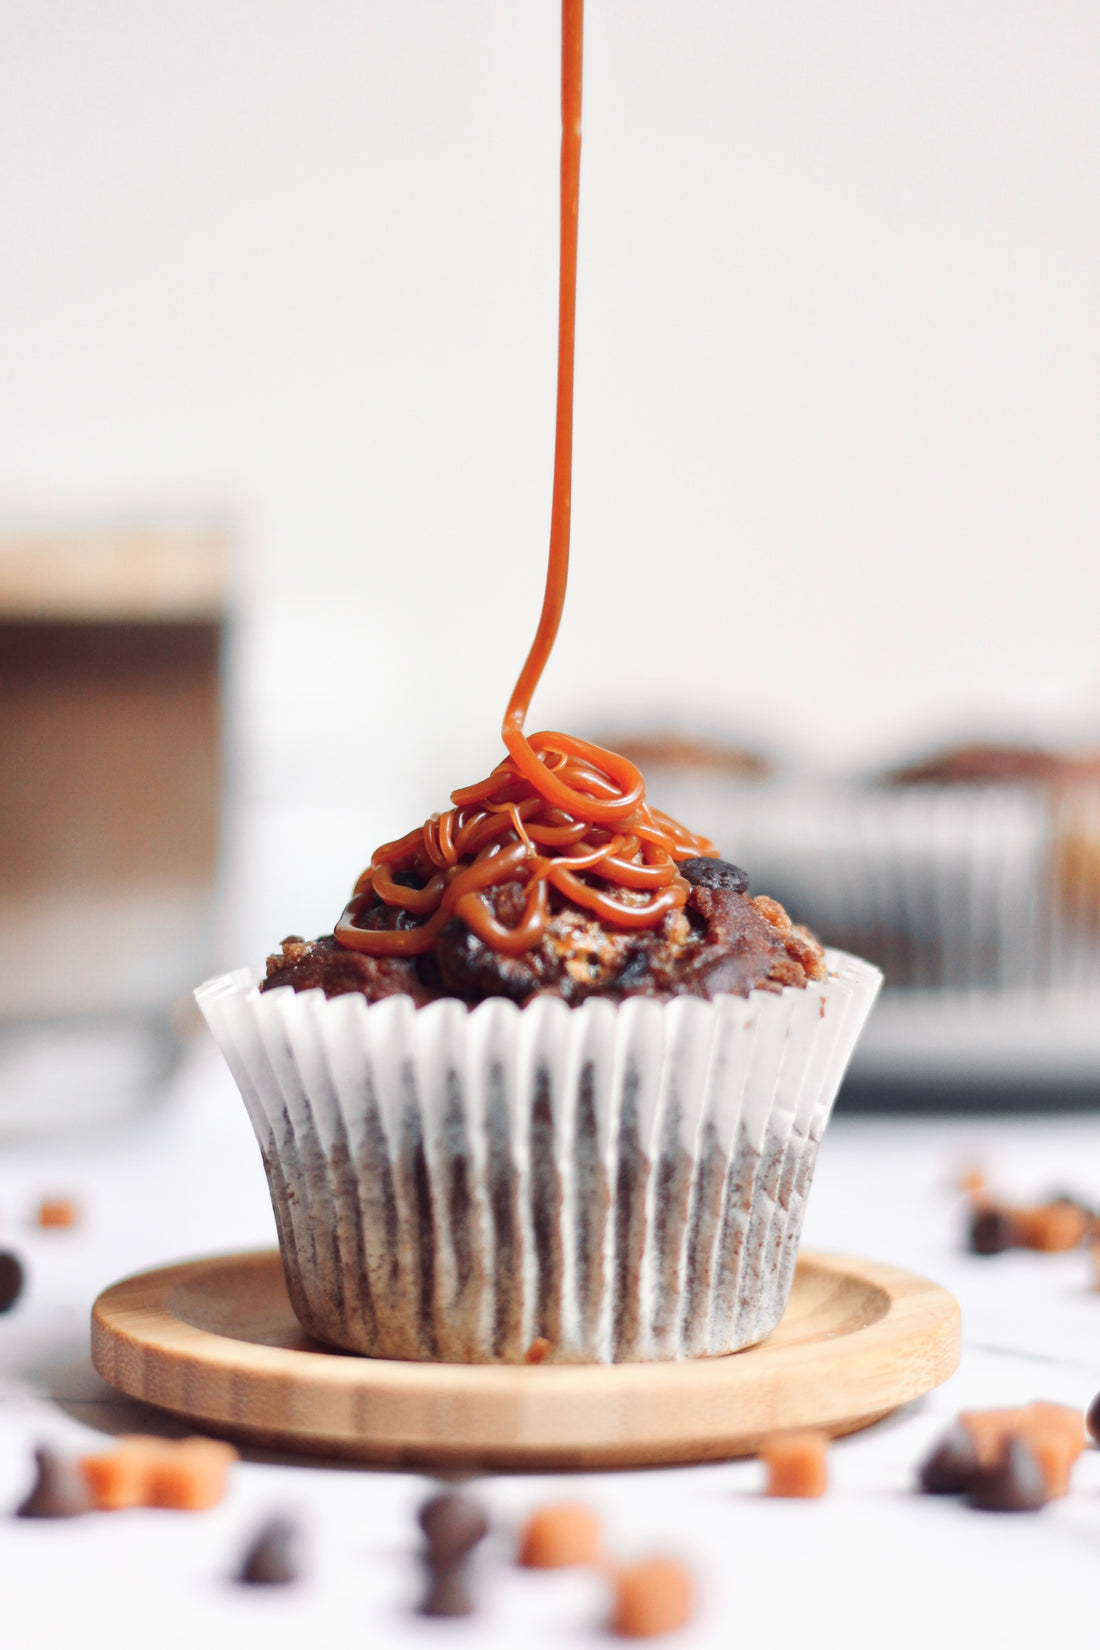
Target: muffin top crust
(721, 941)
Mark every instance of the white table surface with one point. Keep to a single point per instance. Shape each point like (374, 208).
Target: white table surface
(872, 1564)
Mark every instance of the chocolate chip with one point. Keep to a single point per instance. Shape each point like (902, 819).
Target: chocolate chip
(1015, 1483)
(714, 873)
(272, 1560)
(1092, 1418)
(952, 1466)
(60, 1490)
(991, 1232)
(453, 1524)
(407, 879)
(636, 968)
(11, 1280)
(448, 1594)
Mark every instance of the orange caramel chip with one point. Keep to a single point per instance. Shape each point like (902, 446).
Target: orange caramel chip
(1052, 1227)
(559, 1535)
(797, 1464)
(1055, 1432)
(57, 1212)
(773, 912)
(1055, 1455)
(654, 1597)
(119, 1477)
(973, 1183)
(155, 1472)
(537, 1350)
(1067, 1422)
(190, 1476)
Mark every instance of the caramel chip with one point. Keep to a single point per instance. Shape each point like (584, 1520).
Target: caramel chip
(118, 1478)
(1052, 1228)
(651, 1598)
(189, 1476)
(57, 1212)
(1055, 1434)
(1055, 1456)
(559, 1535)
(1062, 1418)
(796, 1463)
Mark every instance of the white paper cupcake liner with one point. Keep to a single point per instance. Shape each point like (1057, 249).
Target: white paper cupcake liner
(625, 1181)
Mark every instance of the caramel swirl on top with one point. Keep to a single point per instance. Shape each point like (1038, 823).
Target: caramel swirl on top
(557, 812)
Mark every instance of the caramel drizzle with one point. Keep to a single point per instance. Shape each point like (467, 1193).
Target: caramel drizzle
(557, 806)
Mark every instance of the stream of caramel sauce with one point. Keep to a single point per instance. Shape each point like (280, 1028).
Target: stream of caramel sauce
(557, 812)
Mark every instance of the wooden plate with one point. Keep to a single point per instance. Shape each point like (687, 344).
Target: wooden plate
(216, 1342)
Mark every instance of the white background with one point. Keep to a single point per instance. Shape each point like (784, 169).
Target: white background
(838, 395)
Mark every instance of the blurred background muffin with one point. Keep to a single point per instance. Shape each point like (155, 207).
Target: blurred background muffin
(1069, 782)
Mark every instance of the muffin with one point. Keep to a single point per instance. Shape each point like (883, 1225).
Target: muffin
(553, 1087)
(1064, 786)
(601, 1148)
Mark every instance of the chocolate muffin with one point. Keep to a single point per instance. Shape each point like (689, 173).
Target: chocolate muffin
(555, 1082)
(722, 942)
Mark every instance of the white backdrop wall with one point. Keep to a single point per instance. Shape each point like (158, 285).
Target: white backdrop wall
(838, 379)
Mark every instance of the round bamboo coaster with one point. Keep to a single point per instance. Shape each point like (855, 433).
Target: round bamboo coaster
(216, 1342)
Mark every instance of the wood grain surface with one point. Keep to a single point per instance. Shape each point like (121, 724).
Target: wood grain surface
(216, 1342)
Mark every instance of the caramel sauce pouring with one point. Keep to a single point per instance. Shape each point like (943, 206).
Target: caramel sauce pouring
(557, 812)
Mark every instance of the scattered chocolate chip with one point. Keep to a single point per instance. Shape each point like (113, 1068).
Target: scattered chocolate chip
(1092, 1419)
(1015, 1483)
(714, 873)
(991, 1232)
(447, 1593)
(453, 1525)
(60, 1490)
(273, 1559)
(952, 1466)
(11, 1280)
